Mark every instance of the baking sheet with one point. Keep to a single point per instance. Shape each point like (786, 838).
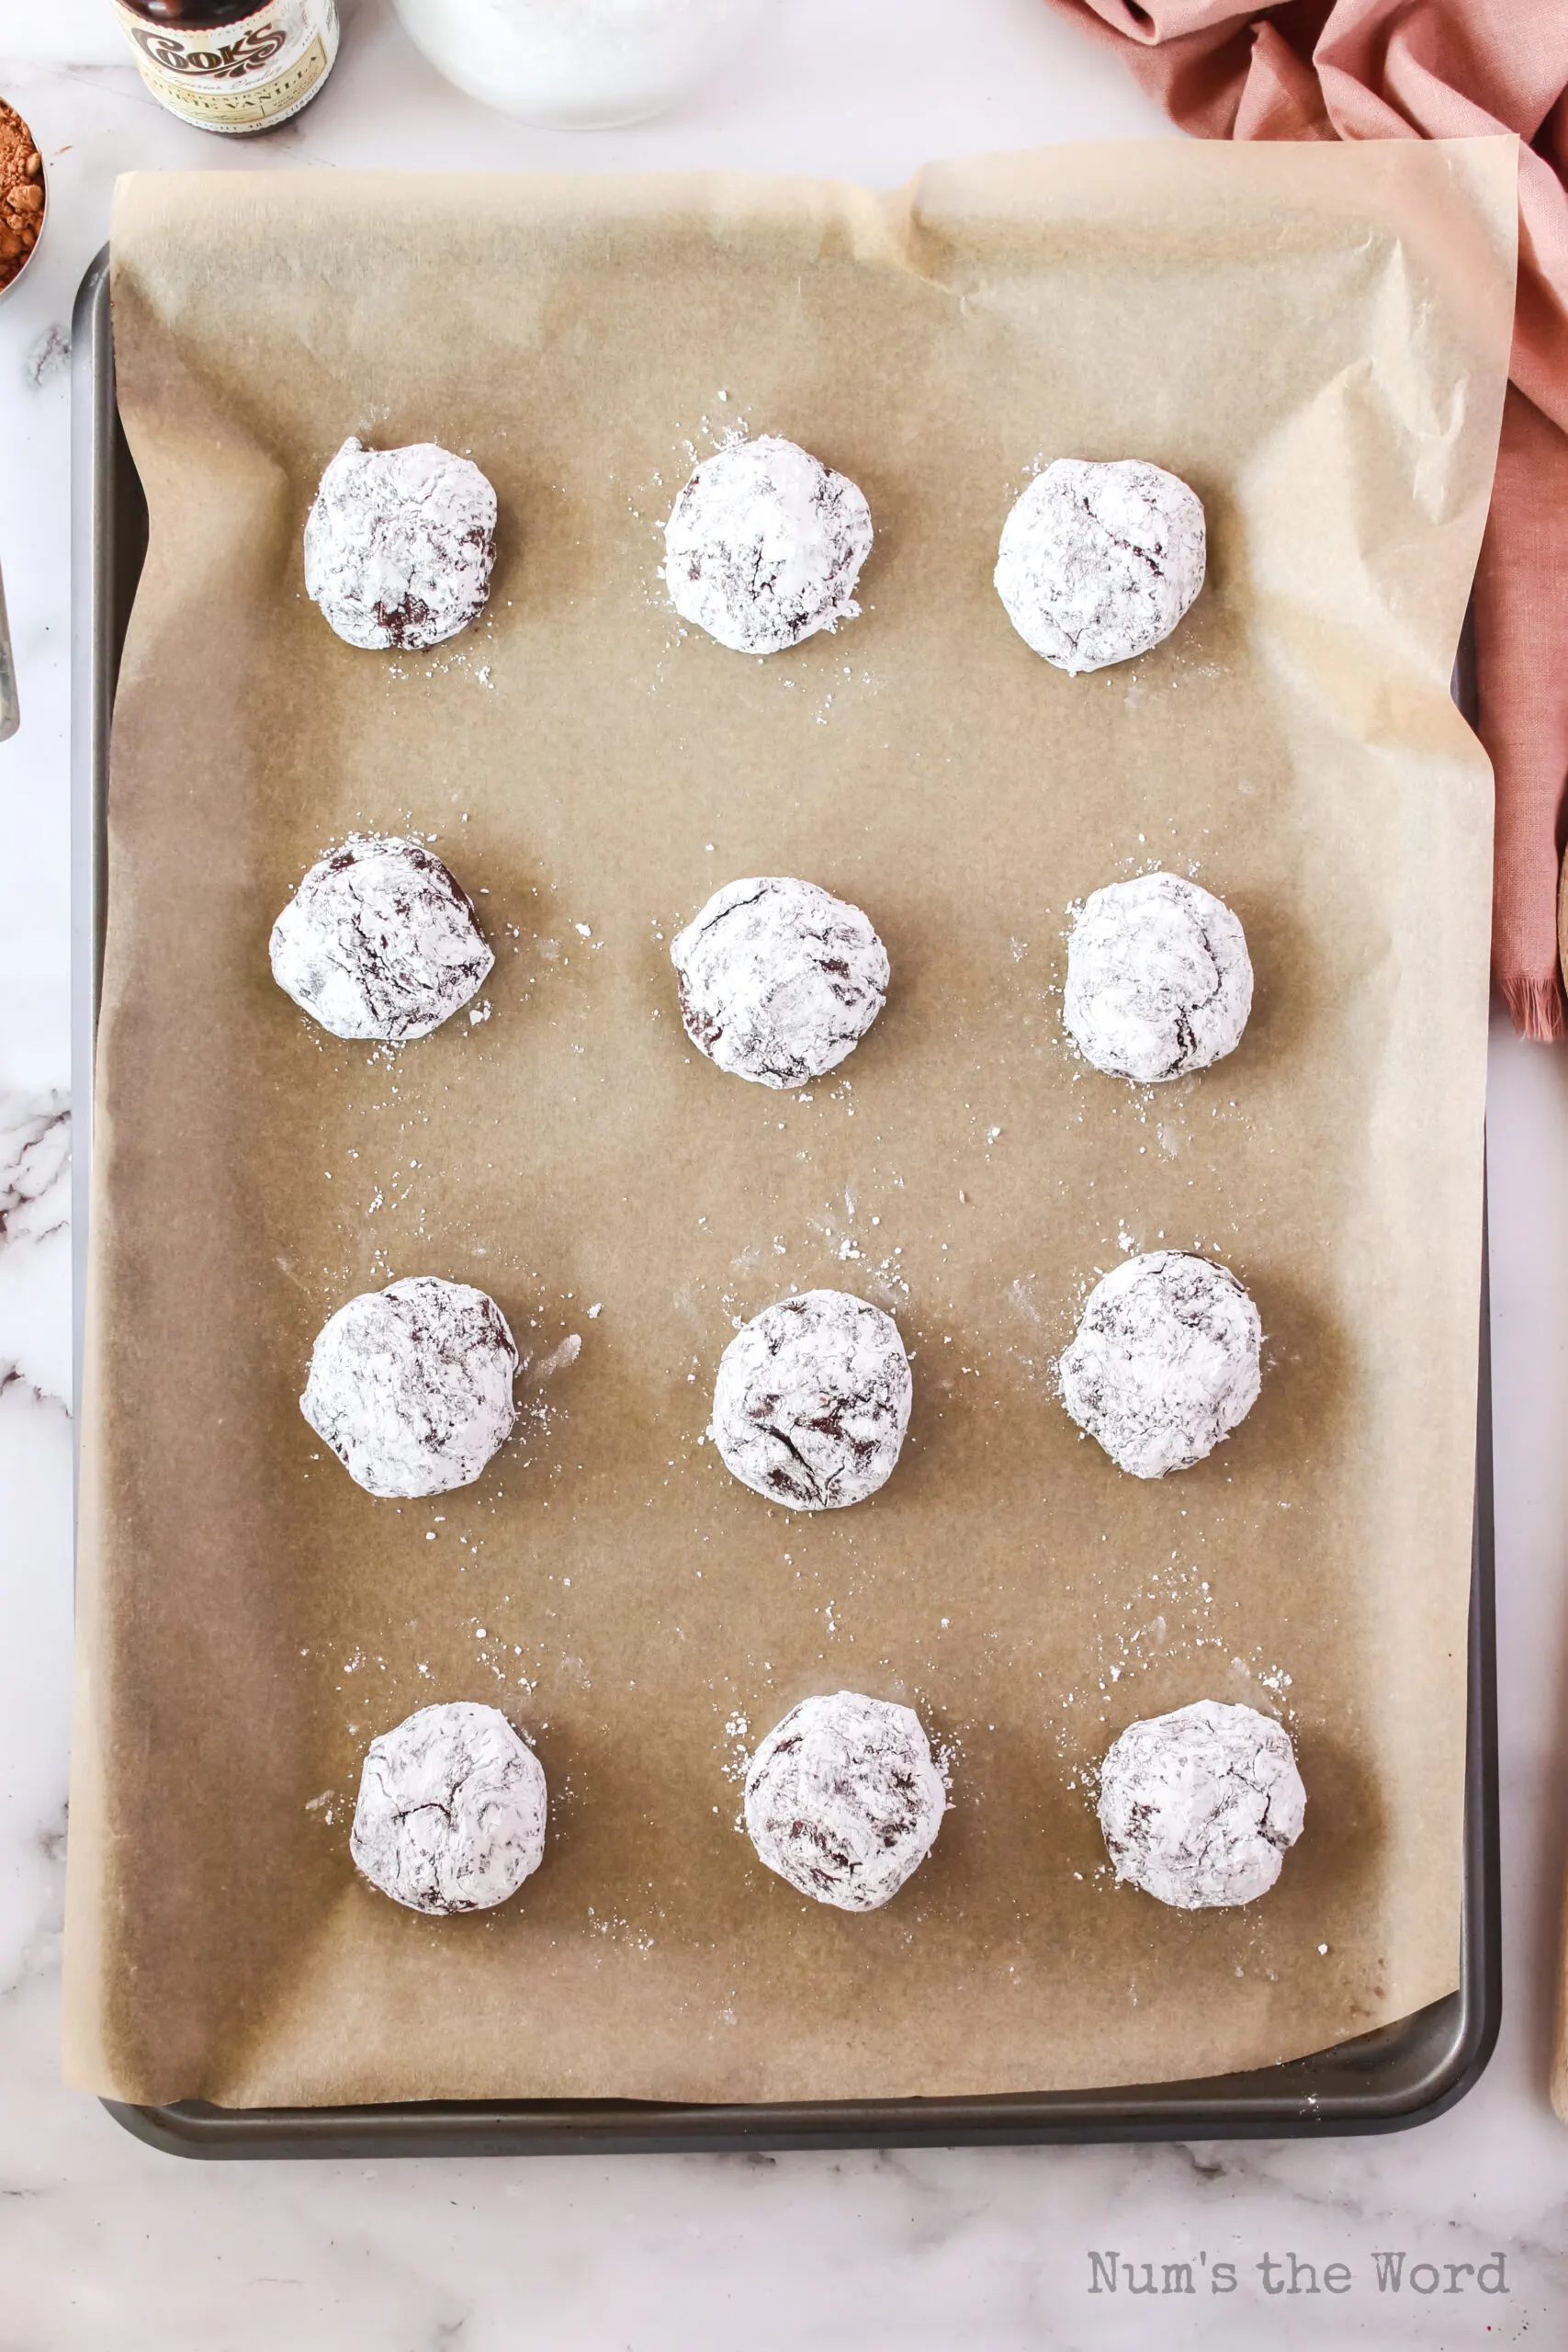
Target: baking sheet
(249, 1619)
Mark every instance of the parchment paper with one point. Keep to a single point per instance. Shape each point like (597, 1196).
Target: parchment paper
(1315, 338)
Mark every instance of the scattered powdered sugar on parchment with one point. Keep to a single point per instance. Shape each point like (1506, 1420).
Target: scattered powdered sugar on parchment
(618, 1929)
(558, 1358)
(738, 1734)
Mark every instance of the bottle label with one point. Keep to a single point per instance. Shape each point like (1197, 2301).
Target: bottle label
(239, 77)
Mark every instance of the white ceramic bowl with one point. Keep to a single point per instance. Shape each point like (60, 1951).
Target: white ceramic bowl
(579, 65)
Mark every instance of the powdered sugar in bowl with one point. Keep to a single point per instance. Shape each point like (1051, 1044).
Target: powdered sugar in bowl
(580, 64)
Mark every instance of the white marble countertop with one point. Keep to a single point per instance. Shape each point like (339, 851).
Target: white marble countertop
(102, 2242)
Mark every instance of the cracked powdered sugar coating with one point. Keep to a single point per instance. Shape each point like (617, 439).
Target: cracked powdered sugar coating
(400, 545)
(1199, 1806)
(411, 1385)
(1099, 562)
(779, 981)
(1159, 981)
(379, 941)
(843, 1799)
(1165, 1362)
(812, 1401)
(451, 1812)
(764, 546)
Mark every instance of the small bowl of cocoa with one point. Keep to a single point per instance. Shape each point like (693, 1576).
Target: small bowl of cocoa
(24, 198)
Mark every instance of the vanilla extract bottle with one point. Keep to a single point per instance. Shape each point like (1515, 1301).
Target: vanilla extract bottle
(233, 65)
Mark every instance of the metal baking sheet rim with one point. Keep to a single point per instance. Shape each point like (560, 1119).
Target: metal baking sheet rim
(1403, 2074)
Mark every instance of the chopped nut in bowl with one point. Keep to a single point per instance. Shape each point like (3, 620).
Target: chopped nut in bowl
(23, 196)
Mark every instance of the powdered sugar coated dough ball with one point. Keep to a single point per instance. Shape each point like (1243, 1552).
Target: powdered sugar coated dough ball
(379, 941)
(451, 1811)
(779, 981)
(400, 545)
(1199, 1806)
(765, 544)
(812, 1401)
(844, 1801)
(1159, 981)
(1165, 1363)
(1099, 562)
(411, 1385)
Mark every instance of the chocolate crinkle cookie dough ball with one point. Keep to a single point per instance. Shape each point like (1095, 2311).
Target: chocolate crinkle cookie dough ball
(451, 1812)
(764, 546)
(400, 545)
(779, 981)
(844, 1801)
(1165, 1362)
(1099, 562)
(379, 941)
(1159, 981)
(812, 1401)
(1199, 1806)
(411, 1385)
